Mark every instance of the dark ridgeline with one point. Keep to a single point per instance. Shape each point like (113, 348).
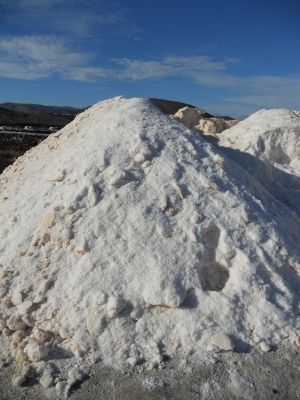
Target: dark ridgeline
(12, 114)
(171, 107)
(38, 118)
(30, 108)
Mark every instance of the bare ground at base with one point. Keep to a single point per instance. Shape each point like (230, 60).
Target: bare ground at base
(254, 375)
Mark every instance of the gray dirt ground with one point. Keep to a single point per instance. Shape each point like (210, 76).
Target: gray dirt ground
(253, 375)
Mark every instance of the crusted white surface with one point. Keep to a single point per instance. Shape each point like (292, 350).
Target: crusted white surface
(267, 145)
(133, 237)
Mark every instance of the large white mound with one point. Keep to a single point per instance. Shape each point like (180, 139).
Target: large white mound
(267, 145)
(127, 234)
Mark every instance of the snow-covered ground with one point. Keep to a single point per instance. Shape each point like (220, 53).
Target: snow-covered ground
(128, 237)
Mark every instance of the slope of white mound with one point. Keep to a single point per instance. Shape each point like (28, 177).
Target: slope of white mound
(127, 234)
(267, 145)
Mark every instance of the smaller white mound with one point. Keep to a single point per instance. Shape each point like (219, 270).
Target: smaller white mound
(267, 145)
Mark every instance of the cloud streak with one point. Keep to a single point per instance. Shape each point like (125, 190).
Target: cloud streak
(80, 18)
(37, 57)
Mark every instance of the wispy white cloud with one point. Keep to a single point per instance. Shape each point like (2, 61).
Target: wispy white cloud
(268, 91)
(36, 57)
(191, 67)
(79, 18)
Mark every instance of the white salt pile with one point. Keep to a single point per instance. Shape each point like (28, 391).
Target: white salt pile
(127, 236)
(196, 119)
(267, 145)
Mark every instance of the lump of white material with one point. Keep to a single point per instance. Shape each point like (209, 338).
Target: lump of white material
(102, 299)
(48, 220)
(24, 307)
(137, 313)
(46, 379)
(36, 351)
(40, 367)
(39, 297)
(206, 125)
(142, 152)
(18, 336)
(97, 322)
(114, 306)
(40, 335)
(15, 323)
(18, 380)
(29, 320)
(60, 386)
(190, 116)
(45, 285)
(213, 126)
(118, 176)
(197, 120)
(133, 361)
(119, 229)
(264, 347)
(17, 298)
(222, 341)
(75, 374)
(21, 356)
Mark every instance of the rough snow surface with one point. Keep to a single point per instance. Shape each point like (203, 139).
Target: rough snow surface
(267, 145)
(126, 236)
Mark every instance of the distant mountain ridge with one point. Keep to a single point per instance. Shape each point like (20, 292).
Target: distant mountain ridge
(38, 118)
(30, 108)
(166, 106)
(13, 114)
(171, 107)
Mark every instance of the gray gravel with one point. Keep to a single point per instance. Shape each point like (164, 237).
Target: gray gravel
(254, 375)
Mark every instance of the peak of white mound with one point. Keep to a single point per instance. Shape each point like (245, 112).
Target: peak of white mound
(128, 235)
(267, 145)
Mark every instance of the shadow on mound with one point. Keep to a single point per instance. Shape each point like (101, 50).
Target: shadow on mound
(284, 186)
(214, 277)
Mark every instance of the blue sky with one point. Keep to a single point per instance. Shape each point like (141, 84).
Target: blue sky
(230, 57)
